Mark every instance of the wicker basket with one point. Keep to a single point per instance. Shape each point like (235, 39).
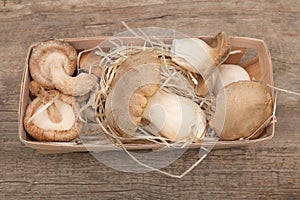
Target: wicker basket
(259, 63)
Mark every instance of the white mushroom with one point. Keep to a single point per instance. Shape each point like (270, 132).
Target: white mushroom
(203, 58)
(230, 74)
(175, 117)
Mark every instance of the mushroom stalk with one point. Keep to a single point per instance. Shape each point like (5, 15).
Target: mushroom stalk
(175, 117)
(202, 57)
(54, 114)
(75, 86)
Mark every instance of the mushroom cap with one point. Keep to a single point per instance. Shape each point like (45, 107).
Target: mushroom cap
(44, 127)
(229, 73)
(136, 79)
(246, 105)
(89, 62)
(44, 54)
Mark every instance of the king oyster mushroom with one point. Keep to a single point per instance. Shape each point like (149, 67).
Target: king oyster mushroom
(135, 95)
(57, 122)
(52, 64)
(203, 58)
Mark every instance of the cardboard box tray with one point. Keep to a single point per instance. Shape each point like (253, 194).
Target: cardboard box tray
(257, 63)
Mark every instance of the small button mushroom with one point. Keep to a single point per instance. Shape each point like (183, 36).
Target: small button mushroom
(55, 123)
(241, 109)
(51, 65)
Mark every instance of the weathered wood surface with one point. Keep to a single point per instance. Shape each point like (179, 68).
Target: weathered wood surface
(268, 171)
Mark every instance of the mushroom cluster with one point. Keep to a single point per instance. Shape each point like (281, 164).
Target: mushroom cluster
(52, 114)
(176, 93)
(139, 98)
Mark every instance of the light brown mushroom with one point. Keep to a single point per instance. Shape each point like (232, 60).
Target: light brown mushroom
(89, 62)
(34, 88)
(241, 110)
(41, 59)
(57, 123)
(137, 79)
(75, 86)
(51, 65)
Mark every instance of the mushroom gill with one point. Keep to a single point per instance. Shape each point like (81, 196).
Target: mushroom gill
(55, 123)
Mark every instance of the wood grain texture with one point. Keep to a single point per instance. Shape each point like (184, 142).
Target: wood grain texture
(268, 171)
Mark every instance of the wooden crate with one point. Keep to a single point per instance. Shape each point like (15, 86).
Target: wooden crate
(257, 64)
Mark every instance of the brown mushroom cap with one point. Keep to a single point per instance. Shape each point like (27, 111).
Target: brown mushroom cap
(245, 106)
(51, 65)
(137, 78)
(54, 115)
(42, 57)
(89, 62)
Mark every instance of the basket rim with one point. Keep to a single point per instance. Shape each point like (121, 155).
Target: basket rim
(236, 41)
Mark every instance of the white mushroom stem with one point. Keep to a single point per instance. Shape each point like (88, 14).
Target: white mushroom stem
(175, 117)
(75, 86)
(203, 57)
(199, 54)
(43, 119)
(54, 114)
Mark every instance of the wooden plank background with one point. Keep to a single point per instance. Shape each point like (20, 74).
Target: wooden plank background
(268, 171)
